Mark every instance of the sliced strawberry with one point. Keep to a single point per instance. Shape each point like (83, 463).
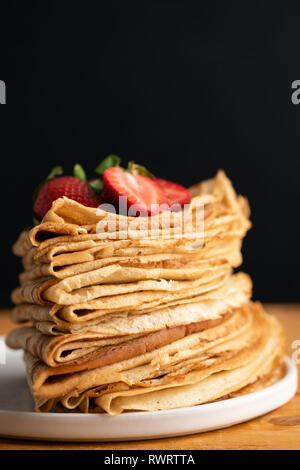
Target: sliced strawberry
(70, 186)
(176, 193)
(142, 192)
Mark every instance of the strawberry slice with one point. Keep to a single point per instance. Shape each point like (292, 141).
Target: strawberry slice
(142, 192)
(175, 193)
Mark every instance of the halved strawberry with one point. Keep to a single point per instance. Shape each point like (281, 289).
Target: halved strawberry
(175, 193)
(70, 186)
(142, 192)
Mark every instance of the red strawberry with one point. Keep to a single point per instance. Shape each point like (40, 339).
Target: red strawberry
(176, 193)
(70, 186)
(139, 190)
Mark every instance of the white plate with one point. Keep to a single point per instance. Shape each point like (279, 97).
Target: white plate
(18, 420)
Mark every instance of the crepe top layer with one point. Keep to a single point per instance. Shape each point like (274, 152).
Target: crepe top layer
(70, 219)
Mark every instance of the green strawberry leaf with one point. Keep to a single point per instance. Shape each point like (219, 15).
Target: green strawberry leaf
(109, 161)
(136, 169)
(79, 172)
(96, 185)
(56, 171)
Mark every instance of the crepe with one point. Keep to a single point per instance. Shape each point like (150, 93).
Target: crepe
(234, 376)
(223, 212)
(141, 300)
(65, 254)
(118, 279)
(209, 308)
(140, 366)
(115, 309)
(163, 263)
(171, 376)
(62, 265)
(85, 348)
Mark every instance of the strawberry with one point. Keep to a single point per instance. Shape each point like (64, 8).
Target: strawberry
(70, 186)
(139, 190)
(175, 193)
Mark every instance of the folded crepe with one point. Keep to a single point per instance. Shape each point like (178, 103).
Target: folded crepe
(118, 279)
(186, 346)
(123, 325)
(139, 310)
(86, 313)
(63, 254)
(237, 352)
(163, 263)
(85, 349)
(62, 265)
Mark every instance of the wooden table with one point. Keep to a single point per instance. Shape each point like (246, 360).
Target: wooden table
(279, 429)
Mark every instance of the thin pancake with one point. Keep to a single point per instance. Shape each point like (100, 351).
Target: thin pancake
(257, 348)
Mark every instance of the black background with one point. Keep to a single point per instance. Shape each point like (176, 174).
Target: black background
(182, 87)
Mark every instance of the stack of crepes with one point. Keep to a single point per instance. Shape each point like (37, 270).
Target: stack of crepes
(138, 322)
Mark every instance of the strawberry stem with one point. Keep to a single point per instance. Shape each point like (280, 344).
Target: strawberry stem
(79, 172)
(56, 171)
(96, 185)
(136, 169)
(109, 161)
